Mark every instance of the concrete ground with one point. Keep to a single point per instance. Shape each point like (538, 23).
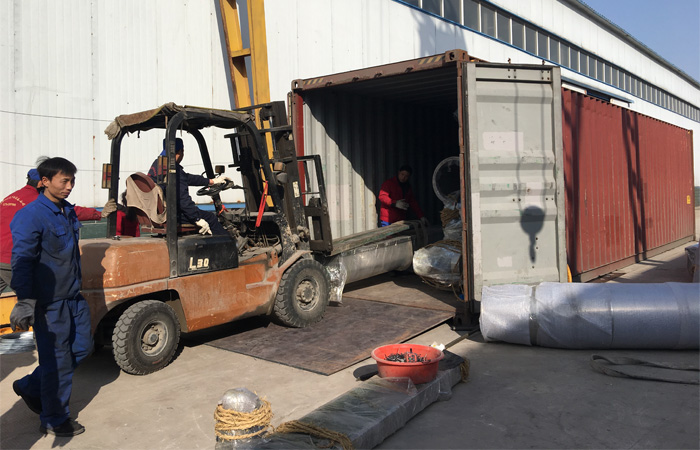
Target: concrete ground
(516, 396)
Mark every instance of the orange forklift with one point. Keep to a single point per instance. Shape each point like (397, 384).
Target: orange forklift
(143, 292)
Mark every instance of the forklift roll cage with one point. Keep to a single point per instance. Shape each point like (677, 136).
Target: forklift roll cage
(250, 156)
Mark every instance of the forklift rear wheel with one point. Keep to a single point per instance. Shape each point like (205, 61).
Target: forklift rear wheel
(303, 294)
(145, 337)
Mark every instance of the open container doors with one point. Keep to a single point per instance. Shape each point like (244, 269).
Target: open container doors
(502, 121)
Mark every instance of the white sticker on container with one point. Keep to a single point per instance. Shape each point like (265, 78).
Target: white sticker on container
(512, 141)
(506, 261)
(295, 185)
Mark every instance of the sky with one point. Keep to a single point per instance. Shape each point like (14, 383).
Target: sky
(671, 28)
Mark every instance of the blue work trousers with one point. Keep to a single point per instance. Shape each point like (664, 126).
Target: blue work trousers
(63, 340)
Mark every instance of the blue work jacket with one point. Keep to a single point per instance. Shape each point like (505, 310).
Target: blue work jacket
(187, 211)
(45, 252)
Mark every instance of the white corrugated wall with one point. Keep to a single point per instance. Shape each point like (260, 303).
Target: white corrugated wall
(310, 38)
(70, 66)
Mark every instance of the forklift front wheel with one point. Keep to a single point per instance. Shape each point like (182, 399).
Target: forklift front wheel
(145, 337)
(303, 294)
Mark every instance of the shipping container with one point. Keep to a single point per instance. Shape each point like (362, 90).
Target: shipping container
(629, 185)
(502, 122)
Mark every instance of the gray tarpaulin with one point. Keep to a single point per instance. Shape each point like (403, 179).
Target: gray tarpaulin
(576, 315)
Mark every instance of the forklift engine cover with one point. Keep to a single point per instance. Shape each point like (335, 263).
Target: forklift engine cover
(198, 254)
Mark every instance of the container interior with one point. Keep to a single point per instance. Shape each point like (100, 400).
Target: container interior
(366, 130)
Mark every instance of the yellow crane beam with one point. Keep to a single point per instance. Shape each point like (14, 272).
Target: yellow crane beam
(237, 53)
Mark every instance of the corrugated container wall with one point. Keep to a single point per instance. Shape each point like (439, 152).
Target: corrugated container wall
(363, 139)
(629, 182)
(70, 67)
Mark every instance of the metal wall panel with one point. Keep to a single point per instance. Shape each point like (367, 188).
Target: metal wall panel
(515, 182)
(628, 179)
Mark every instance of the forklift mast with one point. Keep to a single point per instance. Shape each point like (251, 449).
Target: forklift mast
(291, 177)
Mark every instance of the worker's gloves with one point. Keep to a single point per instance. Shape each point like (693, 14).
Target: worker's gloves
(203, 227)
(109, 208)
(22, 315)
(402, 204)
(424, 222)
(220, 180)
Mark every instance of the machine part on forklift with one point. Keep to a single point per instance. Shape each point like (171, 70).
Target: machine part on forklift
(375, 258)
(338, 275)
(145, 337)
(303, 294)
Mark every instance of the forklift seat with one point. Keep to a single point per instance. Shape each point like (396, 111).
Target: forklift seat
(147, 199)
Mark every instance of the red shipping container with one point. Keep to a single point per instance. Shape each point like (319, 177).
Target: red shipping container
(629, 185)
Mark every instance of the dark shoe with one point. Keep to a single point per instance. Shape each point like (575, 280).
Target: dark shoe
(33, 403)
(68, 428)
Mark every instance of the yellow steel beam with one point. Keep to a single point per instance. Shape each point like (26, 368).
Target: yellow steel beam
(258, 47)
(257, 53)
(236, 53)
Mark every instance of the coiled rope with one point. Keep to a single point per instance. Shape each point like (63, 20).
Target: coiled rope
(294, 426)
(448, 215)
(464, 370)
(230, 423)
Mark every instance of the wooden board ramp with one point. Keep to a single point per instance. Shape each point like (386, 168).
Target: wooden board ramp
(406, 289)
(346, 335)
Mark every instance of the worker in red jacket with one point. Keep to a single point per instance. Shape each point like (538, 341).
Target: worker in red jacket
(18, 200)
(396, 196)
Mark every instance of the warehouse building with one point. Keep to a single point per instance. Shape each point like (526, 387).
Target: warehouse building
(73, 66)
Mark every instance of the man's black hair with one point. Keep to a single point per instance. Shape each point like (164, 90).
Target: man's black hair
(52, 166)
(32, 183)
(407, 168)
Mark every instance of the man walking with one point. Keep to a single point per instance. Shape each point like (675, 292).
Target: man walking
(18, 200)
(46, 277)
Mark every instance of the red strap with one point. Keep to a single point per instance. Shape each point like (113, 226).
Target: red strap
(261, 210)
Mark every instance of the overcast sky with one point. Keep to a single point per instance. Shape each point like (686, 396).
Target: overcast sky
(671, 28)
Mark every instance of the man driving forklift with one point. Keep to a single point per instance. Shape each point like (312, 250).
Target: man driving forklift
(187, 210)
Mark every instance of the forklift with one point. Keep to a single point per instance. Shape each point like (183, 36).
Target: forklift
(144, 291)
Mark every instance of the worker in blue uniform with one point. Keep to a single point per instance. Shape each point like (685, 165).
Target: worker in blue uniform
(187, 210)
(46, 277)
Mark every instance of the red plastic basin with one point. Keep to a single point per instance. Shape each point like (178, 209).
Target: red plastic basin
(418, 372)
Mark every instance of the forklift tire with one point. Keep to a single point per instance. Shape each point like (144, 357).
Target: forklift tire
(145, 337)
(303, 294)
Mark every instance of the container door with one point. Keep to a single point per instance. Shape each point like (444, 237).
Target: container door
(514, 180)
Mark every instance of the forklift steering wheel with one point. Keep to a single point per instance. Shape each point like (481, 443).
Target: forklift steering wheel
(216, 188)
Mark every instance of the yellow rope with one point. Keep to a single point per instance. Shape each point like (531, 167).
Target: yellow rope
(448, 215)
(464, 370)
(228, 420)
(294, 426)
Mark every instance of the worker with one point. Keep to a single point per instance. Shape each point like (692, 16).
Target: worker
(187, 211)
(396, 197)
(18, 200)
(46, 276)
(127, 221)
